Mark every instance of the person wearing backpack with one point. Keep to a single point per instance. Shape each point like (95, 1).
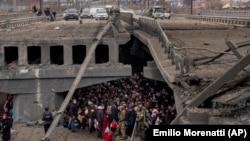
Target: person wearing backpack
(47, 118)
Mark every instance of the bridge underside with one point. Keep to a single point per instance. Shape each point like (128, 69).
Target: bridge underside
(34, 88)
(152, 72)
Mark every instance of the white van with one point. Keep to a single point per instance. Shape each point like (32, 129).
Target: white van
(92, 12)
(159, 12)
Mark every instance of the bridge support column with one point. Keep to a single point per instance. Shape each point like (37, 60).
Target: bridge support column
(2, 56)
(30, 107)
(178, 101)
(22, 55)
(113, 51)
(67, 55)
(45, 55)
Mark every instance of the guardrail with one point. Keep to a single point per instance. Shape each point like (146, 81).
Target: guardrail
(222, 19)
(127, 17)
(227, 13)
(16, 15)
(178, 56)
(12, 23)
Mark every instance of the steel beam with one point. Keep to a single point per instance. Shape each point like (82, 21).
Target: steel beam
(212, 88)
(233, 48)
(76, 81)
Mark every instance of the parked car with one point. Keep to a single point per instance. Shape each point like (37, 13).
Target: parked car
(92, 12)
(71, 14)
(85, 13)
(157, 13)
(166, 14)
(101, 14)
(160, 13)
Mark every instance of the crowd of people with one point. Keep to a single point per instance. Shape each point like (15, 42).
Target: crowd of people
(7, 119)
(125, 101)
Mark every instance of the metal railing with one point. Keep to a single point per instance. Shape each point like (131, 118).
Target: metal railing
(127, 17)
(243, 21)
(16, 15)
(12, 23)
(178, 56)
(227, 13)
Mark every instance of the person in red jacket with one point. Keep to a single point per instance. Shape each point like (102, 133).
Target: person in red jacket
(106, 123)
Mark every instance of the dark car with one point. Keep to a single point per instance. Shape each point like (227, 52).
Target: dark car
(71, 14)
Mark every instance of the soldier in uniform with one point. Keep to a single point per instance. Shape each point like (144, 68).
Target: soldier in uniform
(140, 121)
(91, 115)
(122, 122)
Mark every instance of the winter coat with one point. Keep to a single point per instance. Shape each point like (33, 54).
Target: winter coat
(73, 110)
(99, 115)
(6, 123)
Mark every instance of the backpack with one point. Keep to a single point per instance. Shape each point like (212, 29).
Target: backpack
(47, 116)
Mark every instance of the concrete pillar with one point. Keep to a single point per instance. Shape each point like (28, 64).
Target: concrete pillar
(67, 55)
(178, 101)
(92, 61)
(30, 107)
(59, 98)
(16, 111)
(22, 55)
(45, 55)
(2, 61)
(113, 51)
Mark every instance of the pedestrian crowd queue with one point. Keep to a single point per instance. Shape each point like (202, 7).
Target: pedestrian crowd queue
(7, 118)
(116, 106)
